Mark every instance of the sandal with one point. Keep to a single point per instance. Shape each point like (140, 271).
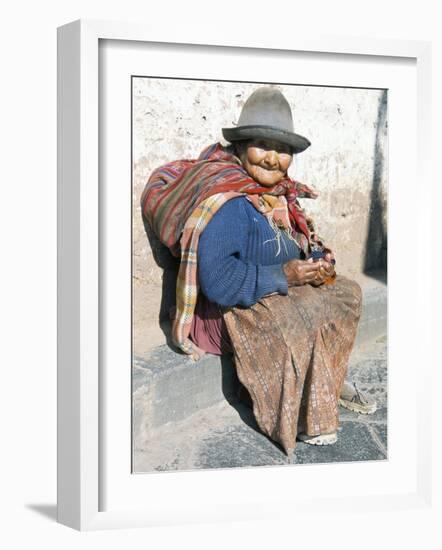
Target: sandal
(322, 439)
(353, 399)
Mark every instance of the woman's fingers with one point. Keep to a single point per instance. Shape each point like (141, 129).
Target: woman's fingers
(309, 268)
(300, 272)
(322, 270)
(310, 277)
(310, 272)
(329, 256)
(325, 268)
(329, 269)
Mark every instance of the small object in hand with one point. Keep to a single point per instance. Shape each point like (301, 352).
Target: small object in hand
(318, 252)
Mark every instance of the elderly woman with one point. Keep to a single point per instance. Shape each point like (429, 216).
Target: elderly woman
(254, 278)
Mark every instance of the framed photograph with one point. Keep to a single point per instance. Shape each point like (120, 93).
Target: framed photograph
(183, 379)
(197, 414)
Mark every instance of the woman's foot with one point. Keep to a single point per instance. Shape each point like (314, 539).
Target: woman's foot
(353, 399)
(323, 439)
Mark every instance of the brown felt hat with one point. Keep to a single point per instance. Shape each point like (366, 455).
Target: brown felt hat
(267, 115)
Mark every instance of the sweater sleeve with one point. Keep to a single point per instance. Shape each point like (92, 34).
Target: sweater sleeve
(225, 278)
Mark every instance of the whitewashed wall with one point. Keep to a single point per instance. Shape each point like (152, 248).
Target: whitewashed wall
(346, 164)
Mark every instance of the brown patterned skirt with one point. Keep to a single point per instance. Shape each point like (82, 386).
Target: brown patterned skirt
(291, 353)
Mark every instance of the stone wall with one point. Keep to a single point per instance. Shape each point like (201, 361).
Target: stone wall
(346, 164)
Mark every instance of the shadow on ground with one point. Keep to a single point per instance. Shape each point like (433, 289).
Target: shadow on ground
(48, 511)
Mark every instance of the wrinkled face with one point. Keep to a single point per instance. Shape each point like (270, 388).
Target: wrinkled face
(266, 161)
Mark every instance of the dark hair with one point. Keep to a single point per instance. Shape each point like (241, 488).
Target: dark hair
(240, 146)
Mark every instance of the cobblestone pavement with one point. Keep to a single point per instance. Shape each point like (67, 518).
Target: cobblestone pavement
(226, 435)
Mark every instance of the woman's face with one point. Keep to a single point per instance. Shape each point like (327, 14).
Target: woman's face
(266, 161)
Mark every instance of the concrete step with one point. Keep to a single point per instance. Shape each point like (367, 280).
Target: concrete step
(225, 435)
(373, 321)
(168, 387)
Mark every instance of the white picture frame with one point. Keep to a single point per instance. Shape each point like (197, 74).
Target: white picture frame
(80, 395)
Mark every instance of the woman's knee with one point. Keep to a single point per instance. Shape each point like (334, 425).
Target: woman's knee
(356, 293)
(351, 291)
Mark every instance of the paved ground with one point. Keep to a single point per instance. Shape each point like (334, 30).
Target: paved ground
(226, 435)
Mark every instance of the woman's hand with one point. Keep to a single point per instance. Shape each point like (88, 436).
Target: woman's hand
(300, 272)
(329, 256)
(326, 270)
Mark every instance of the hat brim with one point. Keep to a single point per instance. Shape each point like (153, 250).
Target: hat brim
(297, 142)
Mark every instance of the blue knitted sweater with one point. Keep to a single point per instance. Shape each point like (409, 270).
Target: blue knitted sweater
(238, 259)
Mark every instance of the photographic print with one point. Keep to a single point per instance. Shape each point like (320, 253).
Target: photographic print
(259, 274)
